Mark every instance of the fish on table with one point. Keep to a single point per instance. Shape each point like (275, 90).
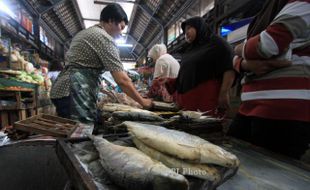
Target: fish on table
(124, 112)
(136, 116)
(113, 107)
(181, 145)
(202, 171)
(131, 169)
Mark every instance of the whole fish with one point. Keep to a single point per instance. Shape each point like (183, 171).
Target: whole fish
(113, 107)
(182, 145)
(202, 171)
(132, 169)
(191, 114)
(136, 116)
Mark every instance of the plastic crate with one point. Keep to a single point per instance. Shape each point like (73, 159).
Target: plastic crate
(8, 82)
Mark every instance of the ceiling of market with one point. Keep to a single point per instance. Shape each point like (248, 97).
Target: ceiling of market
(147, 19)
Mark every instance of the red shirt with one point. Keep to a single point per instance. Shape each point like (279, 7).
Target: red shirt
(203, 97)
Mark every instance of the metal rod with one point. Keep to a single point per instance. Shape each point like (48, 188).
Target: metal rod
(185, 7)
(51, 7)
(49, 30)
(115, 1)
(152, 17)
(91, 19)
(131, 52)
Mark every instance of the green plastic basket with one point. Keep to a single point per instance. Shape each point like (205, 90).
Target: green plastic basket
(8, 82)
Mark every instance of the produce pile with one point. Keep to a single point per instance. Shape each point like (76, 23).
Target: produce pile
(33, 78)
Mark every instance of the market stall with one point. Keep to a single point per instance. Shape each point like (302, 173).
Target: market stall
(127, 147)
(259, 169)
(55, 163)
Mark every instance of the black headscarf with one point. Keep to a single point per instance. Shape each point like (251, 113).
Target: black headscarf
(207, 57)
(269, 11)
(204, 32)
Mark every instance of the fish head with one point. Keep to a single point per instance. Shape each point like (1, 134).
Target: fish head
(188, 115)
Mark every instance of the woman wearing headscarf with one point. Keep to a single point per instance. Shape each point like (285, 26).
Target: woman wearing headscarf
(166, 66)
(206, 73)
(275, 109)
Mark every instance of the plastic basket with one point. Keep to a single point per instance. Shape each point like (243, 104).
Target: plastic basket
(8, 82)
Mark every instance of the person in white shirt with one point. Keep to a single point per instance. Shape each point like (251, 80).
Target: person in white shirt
(166, 66)
(54, 69)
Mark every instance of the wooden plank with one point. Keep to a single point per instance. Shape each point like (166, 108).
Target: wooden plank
(46, 120)
(54, 126)
(37, 126)
(59, 119)
(13, 117)
(18, 98)
(22, 114)
(5, 108)
(56, 123)
(39, 129)
(32, 111)
(80, 179)
(4, 118)
(48, 125)
(30, 119)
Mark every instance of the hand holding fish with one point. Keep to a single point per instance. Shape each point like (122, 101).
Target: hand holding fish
(147, 103)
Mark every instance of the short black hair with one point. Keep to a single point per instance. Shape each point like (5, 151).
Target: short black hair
(113, 12)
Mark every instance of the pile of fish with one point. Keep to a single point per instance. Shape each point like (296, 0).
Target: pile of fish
(132, 169)
(161, 158)
(125, 112)
(181, 145)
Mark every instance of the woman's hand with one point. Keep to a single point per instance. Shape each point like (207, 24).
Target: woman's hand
(255, 66)
(238, 49)
(224, 100)
(224, 97)
(147, 103)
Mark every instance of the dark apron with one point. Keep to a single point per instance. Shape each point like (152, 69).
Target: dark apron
(84, 92)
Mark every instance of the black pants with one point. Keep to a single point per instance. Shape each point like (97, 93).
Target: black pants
(63, 109)
(291, 138)
(63, 106)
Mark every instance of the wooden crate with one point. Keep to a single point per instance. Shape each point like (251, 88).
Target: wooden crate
(80, 179)
(47, 124)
